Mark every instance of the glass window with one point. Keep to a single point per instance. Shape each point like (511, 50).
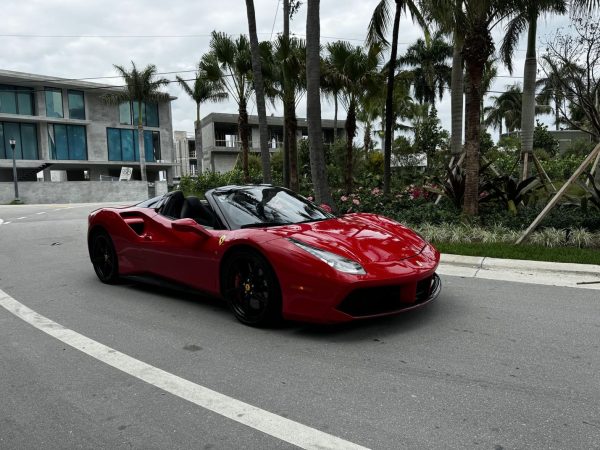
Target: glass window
(77, 142)
(25, 136)
(114, 144)
(125, 113)
(136, 116)
(54, 107)
(127, 147)
(148, 146)
(2, 150)
(59, 144)
(25, 102)
(151, 115)
(8, 102)
(76, 105)
(29, 141)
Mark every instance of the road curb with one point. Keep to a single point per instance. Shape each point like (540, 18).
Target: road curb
(525, 271)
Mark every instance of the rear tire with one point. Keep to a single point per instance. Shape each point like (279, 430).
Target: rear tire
(104, 258)
(251, 289)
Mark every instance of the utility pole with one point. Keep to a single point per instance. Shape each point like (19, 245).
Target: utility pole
(13, 143)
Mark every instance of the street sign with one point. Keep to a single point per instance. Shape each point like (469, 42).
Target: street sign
(126, 173)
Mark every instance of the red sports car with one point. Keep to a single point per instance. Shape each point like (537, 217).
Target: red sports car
(270, 253)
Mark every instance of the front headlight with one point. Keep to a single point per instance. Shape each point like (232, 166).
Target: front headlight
(336, 261)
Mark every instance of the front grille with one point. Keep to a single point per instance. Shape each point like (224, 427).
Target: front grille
(424, 289)
(388, 299)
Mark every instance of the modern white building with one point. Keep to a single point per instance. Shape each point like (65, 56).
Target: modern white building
(65, 130)
(221, 145)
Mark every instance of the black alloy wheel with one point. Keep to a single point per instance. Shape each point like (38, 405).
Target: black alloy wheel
(104, 258)
(251, 289)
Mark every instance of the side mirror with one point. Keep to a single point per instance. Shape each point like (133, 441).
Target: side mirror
(326, 207)
(190, 226)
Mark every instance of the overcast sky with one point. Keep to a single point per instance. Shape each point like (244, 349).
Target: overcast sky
(83, 39)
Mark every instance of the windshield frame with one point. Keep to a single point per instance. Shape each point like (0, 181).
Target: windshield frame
(212, 195)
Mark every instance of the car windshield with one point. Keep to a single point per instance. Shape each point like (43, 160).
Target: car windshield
(257, 206)
(150, 203)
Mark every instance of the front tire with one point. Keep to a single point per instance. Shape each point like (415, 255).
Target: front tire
(104, 258)
(251, 289)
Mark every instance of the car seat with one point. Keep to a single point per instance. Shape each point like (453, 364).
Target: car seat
(193, 208)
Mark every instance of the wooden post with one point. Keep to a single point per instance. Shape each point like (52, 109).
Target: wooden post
(542, 172)
(560, 193)
(594, 167)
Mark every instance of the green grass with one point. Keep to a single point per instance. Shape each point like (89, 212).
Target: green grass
(532, 252)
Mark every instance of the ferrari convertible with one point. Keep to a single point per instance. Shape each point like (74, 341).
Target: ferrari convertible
(270, 253)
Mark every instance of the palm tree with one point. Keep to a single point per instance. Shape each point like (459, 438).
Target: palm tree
(428, 59)
(370, 109)
(313, 103)
(509, 106)
(289, 78)
(378, 27)
(230, 63)
(529, 11)
(203, 90)
(477, 19)
(140, 87)
(259, 89)
(355, 71)
(332, 86)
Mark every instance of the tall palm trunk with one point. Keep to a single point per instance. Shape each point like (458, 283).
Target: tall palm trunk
(457, 98)
(367, 140)
(259, 90)
(477, 49)
(335, 115)
(286, 93)
(291, 127)
(198, 140)
(528, 106)
(313, 103)
(389, 104)
(350, 133)
(557, 102)
(141, 143)
(243, 132)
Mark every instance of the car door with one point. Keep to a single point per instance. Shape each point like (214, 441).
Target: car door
(182, 256)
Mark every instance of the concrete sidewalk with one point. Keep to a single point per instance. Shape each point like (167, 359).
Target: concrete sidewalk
(585, 276)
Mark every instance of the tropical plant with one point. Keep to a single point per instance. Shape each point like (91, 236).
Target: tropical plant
(428, 62)
(512, 192)
(313, 103)
(140, 87)
(259, 89)
(202, 91)
(378, 27)
(526, 17)
(355, 71)
(289, 81)
(229, 62)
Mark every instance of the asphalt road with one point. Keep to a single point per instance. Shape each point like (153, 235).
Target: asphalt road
(490, 365)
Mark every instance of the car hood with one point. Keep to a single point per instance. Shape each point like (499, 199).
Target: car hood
(362, 237)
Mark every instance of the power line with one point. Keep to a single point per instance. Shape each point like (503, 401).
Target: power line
(275, 19)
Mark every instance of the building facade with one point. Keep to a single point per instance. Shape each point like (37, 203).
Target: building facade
(221, 146)
(65, 130)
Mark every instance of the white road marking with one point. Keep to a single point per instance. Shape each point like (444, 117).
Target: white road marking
(279, 427)
(42, 212)
(21, 218)
(1, 221)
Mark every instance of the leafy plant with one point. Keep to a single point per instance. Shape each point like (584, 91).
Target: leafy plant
(512, 192)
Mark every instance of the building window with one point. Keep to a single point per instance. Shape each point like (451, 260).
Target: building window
(123, 145)
(54, 106)
(25, 135)
(76, 105)
(128, 114)
(67, 142)
(16, 100)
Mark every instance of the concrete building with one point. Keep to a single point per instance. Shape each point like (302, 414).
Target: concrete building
(63, 128)
(185, 154)
(221, 146)
(564, 137)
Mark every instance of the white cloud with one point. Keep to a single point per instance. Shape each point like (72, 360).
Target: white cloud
(84, 57)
